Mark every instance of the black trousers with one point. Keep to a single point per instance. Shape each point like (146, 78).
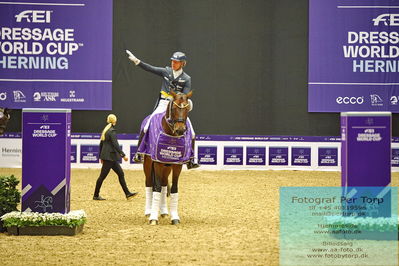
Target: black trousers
(107, 166)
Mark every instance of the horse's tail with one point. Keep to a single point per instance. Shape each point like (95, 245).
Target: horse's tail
(153, 179)
(153, 174)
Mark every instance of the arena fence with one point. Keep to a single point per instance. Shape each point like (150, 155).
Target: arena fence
(215, 152)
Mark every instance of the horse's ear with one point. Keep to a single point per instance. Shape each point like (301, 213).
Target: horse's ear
(189, 94)
(173, 93)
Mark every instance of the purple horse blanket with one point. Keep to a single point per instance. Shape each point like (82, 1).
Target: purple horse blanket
(162, 147)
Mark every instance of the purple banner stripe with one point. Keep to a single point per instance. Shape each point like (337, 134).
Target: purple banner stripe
(213, 137)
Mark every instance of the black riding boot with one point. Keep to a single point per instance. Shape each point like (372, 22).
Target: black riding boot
(192, 164)
(137, 157)
(97, 190)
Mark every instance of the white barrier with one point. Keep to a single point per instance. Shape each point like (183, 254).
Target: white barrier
(311, 153)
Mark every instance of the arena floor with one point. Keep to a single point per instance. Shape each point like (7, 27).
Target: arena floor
(228, 218)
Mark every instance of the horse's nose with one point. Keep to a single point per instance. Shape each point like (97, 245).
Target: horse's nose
(180, 132)
(180, 128)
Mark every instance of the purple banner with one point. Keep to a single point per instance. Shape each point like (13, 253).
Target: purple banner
(207, 155)
(267, 138)
(56, 55)
(353, 55)
(256, 156)
(278, 155)
(300, 156)
(73, 154)
(46, 158)
(366, 149)
(233, 155)
(328, 156)
(89, 154)
(366, 161)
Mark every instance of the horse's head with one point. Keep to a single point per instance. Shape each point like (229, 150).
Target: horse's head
(4, 117)
(178, 111)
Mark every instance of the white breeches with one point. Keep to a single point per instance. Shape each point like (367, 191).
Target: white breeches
(162, 106)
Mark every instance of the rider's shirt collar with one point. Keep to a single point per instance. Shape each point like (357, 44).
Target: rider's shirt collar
(177, 73)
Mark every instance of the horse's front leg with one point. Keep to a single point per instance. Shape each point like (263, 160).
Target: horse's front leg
(174, 195)
(160, 183)
(164, 190)
(147, 166)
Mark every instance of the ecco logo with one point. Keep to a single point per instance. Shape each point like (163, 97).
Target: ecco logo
(34, 16)
(387, 19)
(350, 100)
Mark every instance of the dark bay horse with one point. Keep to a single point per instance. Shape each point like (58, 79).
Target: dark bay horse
(157, 172)
(4, 117)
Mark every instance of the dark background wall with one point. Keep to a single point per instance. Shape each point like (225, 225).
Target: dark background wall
(247, 59)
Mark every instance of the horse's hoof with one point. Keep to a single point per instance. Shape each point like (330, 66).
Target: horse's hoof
(175, 222)
(164, 215)
(153, 222)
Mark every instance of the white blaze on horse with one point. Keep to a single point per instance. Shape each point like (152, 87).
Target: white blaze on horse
(4, 118)
(166, 147)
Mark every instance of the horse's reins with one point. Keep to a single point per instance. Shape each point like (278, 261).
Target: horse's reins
(170, 122)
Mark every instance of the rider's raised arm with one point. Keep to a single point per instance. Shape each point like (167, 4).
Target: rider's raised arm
(160, 71)
(147, 67)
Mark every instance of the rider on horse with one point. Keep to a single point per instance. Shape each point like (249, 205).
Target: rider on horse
(174, 78)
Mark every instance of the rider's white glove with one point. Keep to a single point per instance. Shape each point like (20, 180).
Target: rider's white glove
(132, 58)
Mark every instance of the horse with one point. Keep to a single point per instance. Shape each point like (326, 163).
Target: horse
(171, 150)
(4, 118)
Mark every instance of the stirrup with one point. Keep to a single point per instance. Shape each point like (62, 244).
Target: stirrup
(192, 165)
(137, 158)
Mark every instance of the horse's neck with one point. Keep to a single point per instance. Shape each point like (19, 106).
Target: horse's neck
(166, 128)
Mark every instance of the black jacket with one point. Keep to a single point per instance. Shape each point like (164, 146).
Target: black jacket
(109, 148)
(181, 83)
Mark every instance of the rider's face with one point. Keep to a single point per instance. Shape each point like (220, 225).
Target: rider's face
(176, 65)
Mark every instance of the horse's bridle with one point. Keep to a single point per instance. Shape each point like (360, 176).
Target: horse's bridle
(169, 120)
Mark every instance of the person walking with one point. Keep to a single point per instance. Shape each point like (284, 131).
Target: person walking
(110, 154)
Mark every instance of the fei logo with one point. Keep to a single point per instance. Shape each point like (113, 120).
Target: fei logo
(34, 16)
(350, 100)
(393, 20)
